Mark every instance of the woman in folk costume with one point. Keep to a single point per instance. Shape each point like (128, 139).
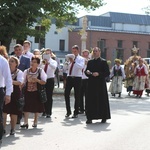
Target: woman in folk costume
(141, 72)
(130, 65)
(117, 75)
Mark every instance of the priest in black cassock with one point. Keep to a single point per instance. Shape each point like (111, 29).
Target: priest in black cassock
(97, 104)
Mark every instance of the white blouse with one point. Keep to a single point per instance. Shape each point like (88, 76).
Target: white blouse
(43, 75)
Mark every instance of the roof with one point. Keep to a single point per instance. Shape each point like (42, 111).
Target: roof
(99, 21)
(128, 18)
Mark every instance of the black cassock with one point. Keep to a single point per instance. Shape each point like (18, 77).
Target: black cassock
(97, 103)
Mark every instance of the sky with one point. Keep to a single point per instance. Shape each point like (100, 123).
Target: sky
(124, 6)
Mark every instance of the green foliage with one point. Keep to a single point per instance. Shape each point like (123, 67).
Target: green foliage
(18, 17)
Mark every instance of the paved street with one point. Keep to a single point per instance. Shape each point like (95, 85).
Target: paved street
(129, 129)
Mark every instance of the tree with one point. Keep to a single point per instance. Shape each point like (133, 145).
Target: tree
(147, 9)
(19, 17)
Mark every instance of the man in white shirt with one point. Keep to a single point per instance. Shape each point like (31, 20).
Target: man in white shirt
(26, 49)
(83, 93)
(49, 68)
(5, 81)
(73, 80)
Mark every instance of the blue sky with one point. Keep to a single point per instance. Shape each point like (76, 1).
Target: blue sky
(125, 6)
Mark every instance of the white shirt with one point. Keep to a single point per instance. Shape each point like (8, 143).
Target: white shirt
(5, 76)
(117, 67)
(19, 76)
(51, 68)
(78, 67)
(83, 75)
(43, 75)
(29, 54)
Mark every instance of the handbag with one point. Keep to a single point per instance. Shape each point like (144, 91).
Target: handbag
(20, 101)
(41, 91)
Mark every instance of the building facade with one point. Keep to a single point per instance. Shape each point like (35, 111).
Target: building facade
(115, 33)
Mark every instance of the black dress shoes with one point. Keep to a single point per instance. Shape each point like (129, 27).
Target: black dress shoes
(43, 114)
(48, 116)
(88, 121)
(103, 121)
(34, 125)
(67, 115)
(24, 126)
(12, 132)
(75, 116)
(81, 112)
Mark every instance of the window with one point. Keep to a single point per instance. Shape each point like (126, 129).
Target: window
(148, 53)
(149, 45)
(119, 44)
(102, 45)
(119, 54)
(135, 43)
(62, 45)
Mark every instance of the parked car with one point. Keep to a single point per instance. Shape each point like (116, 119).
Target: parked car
(148, 61)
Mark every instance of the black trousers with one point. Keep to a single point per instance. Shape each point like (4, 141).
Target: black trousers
(72, 82)
(83, 94)
(2, 94)
(49, 92)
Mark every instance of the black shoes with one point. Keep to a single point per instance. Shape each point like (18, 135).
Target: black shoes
(34, 125)
(67, 115)
(113, 94)
(24, 126)
(12, 132)
(44, 114)
(103, 121)
(75, 116)
(81, 112)
(48, 116)
(88, 121)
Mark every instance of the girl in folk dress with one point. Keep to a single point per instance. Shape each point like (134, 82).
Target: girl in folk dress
(117, 75)
(141, 71)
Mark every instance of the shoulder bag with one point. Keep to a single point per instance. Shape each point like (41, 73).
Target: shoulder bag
(41, 90)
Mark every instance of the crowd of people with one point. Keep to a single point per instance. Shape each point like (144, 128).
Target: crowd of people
(135, 75)
(86, 73)
(22, 72)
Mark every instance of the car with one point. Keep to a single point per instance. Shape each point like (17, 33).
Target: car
(122, 66)
(148, 61)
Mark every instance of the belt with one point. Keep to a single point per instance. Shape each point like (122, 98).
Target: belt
(73, 77)
(50, 78)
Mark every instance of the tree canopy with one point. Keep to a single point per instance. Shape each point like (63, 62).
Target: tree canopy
(19, 17)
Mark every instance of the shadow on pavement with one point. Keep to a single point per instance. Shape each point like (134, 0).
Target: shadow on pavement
(98, 127)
